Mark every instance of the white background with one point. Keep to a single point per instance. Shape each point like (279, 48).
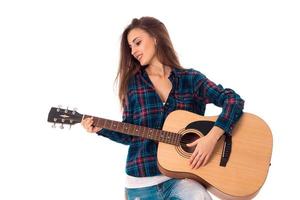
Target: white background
(67, 52)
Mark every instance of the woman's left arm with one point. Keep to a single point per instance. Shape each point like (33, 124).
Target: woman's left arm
(232, 108)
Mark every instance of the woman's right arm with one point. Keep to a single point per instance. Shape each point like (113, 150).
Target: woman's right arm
(113, 135)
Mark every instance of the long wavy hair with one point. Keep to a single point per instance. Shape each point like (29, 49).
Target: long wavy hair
(128, 65)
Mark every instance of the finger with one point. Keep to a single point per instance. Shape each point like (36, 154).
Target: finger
(90, 129)
(86, 122)
(200, 161)
(191, 144)
(193, 156)
(96, 129)
(83, 122)
(195, 161)
(90, 123)
(206, 160)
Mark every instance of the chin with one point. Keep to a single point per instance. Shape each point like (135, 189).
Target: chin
(144, 63)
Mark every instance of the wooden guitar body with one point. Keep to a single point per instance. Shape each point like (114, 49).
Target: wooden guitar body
(248, 164)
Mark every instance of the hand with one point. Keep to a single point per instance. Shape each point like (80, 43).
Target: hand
(204, 147)
(87, 123)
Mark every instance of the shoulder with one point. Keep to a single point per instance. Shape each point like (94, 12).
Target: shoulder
(135, 83)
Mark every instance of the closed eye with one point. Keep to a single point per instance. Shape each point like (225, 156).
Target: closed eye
(138, 43)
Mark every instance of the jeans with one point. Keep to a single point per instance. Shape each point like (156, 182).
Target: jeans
(173, 189)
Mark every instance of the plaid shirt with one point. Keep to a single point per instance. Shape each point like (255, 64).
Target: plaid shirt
(191, 91)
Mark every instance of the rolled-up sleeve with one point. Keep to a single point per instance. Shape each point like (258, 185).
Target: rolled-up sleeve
(232, 104)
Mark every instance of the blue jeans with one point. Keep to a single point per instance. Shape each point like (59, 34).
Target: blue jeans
(173, 189)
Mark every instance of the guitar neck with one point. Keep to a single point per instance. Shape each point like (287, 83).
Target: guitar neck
(134, 130)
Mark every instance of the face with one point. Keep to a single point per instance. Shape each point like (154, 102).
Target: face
(142, 46)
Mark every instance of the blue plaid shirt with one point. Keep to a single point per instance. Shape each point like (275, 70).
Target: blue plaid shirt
(191, 91)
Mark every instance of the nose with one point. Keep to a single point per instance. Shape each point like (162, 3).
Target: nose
(133, 50)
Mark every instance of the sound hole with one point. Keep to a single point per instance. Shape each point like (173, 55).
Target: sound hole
(186, 139)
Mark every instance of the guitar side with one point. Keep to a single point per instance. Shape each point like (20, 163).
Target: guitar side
(248, 164)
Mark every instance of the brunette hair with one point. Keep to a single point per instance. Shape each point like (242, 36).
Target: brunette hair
(128, 65)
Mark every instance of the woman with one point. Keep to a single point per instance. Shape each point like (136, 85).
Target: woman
(151, 85)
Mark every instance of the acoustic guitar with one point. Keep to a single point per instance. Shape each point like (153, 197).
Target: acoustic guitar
(235, 171)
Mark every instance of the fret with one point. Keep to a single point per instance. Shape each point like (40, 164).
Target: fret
(114, 125)
(100, 122)
(156, 135)
(178, 139)
(143, 129)
(130, 129)
(150, 135)
(167, 137)
(104, 123)
(170, 137)
(175, 138)
(109, 124)
(162, 137)
(127, 126)
(136, 130)
(124, 128)
(96, 122)
(153, 135)
(150, 132)
(117, 126)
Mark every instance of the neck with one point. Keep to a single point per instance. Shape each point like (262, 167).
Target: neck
(158, 70)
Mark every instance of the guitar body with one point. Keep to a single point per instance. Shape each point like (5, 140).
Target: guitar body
(248, 164)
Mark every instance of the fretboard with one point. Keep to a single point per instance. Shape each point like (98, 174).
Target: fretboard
(141, 131)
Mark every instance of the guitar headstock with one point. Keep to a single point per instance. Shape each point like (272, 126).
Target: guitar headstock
(64, 116)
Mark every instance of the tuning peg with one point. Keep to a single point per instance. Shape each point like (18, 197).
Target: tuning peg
(58, 108)
(53, 125)
(70, 126)
(66, 110)
(61, 126)
(54, 120)
(74, 111)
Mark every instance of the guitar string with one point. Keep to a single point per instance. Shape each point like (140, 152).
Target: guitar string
(182, 141)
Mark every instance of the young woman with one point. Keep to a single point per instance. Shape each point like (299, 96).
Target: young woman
(152, 84)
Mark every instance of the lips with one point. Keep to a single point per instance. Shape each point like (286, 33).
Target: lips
(139, 57)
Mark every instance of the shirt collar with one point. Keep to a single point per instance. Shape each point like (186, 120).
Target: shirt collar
(174, 72)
